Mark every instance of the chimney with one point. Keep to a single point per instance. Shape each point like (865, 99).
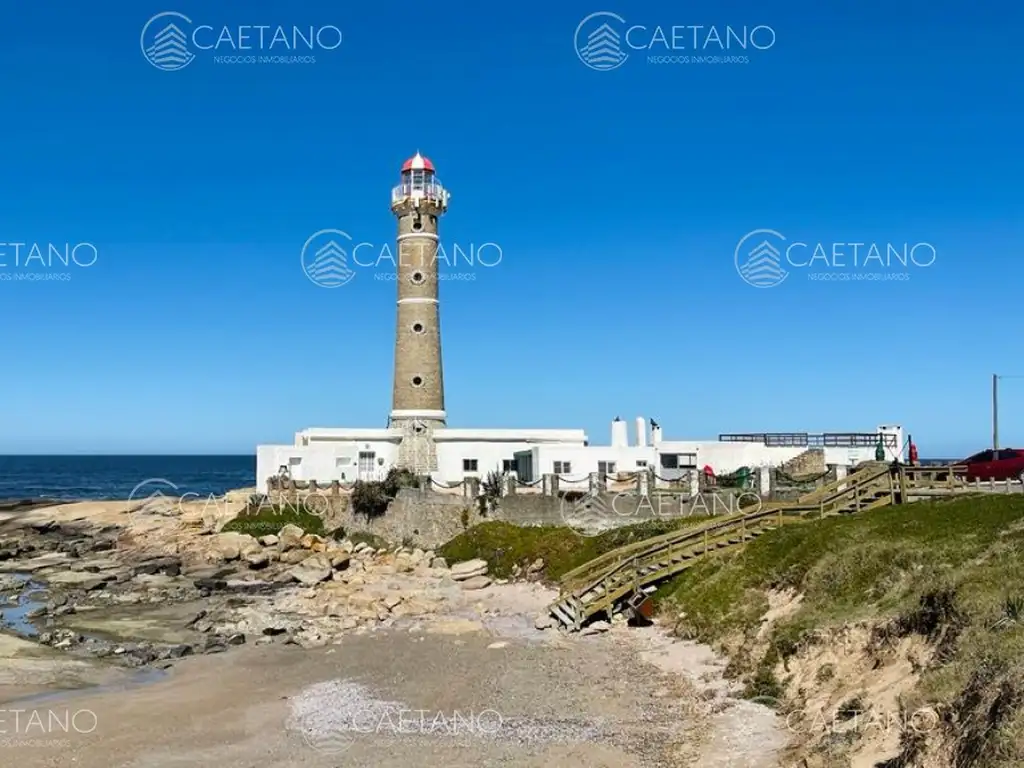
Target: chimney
(641, 432)
(655, 433)
(620, 438)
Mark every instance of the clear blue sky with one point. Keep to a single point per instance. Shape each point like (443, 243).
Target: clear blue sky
(617, 197)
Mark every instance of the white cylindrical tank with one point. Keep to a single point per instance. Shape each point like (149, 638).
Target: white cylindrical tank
(620, 437)
(641, 432)
(655, 434)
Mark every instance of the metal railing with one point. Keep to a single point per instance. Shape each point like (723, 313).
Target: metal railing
(807, 440)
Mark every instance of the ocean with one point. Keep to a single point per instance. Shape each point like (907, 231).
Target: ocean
(115, 477)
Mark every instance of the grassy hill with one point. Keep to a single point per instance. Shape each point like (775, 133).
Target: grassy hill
(939, 584)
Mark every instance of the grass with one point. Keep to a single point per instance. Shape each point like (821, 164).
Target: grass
(265, 520)
(951, 571)
(504, 545)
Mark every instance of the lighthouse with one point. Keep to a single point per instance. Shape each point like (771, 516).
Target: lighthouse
(417, 404)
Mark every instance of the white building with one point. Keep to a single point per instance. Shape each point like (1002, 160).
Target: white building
(347, 455)
(418, 437)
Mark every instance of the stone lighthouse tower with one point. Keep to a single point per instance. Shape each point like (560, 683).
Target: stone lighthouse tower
(417, 405)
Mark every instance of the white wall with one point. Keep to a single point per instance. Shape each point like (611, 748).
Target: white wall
(333, 454)
(325, 460)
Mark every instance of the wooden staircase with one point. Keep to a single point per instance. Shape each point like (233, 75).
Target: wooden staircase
(630, 572)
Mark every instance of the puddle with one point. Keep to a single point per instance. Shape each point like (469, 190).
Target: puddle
(133, 679)
(15, 617)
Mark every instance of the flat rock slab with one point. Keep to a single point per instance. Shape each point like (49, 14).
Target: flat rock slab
(476, 582)
(469, 569)
(35, 564)
(100, 564)
(76, 578)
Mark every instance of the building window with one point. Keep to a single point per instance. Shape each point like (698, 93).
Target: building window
(417, 328)
(417, 381)
(678, 460)
(470, 465)
(417, 225)
(417, 278)
(508, 465)
(641, 462)
(563, 467)
(606, 467)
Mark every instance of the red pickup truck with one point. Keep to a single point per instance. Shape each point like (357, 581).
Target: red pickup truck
(1004, 464)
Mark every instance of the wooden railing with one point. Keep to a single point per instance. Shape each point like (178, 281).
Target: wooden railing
(875, 485)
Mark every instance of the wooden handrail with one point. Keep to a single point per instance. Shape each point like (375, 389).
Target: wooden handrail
(610, 561)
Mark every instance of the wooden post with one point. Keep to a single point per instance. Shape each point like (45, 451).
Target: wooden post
(705, 541)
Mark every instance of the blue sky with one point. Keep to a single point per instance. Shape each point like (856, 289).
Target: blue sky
(617, 198)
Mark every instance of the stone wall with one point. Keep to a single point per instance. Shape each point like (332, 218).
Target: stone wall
(810, 462)
(428, 519)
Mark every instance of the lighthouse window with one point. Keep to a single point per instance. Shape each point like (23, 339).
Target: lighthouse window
(417, 327)
(417, 381)
(417, 278)
(417, 225)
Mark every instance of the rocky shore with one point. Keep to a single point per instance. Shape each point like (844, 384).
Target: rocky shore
(98, 593)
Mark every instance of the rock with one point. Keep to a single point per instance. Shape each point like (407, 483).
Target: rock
(176, 651)
(404, 563)
(171, 566)
(393, 600)
(231, 546)
(270, 540)
(497, 646)
(257, 560)
(335, 609)
(294, 556)
(289, 537)
(236, 639)
(210, 584)
(596, 628)
(536, 566)
(312, 570)
(476, 582)
(340, 560)
(469, 569)
(79, 579)
(544, 621)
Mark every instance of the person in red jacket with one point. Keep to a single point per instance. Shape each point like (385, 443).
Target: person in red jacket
(709, 475)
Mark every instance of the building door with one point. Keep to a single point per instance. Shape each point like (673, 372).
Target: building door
(367, 465)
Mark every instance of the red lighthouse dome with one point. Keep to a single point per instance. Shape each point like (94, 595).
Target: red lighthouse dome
(417, 163)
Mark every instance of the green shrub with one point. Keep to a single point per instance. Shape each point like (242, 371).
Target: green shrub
(268, 519)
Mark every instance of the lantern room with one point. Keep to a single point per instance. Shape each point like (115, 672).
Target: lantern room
(419, 183)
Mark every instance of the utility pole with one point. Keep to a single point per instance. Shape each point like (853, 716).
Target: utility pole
(995, 415)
